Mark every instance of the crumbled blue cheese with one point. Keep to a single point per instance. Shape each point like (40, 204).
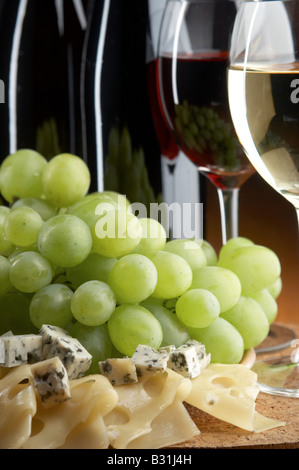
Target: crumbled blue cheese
(119, 371)
(167, 349)
(149, 361)
(19, 349)
(184, 361)
(57, 342)
(51, 382)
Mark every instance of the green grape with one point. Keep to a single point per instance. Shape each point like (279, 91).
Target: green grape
(18, 250)
(131, 325)
(21, 175)
(174, 275)
(66, 179)
(94, 268)
(275, 288)
(222, 340)
(256, 266)
(5, 282)
(45, 209)
(5, 245)
(96, 340)
(174, 331)
(22, 225)
(224, 284)
(30, 271)
(121, 200)
(209, 252)
(197, 308)
(116, 234)
(153, 236)
(268, 304)
(234, 243)
(14, 314)
(51, 305)
(248, 317)
(65, 240)
(92, 207)
(133, 279)
(93, 303)
(189, 250)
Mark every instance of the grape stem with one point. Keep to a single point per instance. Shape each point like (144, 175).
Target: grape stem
(229, 212)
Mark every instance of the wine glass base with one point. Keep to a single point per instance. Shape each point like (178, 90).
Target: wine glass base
(279, 337)
(278, 376)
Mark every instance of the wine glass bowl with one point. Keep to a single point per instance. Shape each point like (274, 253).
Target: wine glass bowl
(192, 81)
(263, 89)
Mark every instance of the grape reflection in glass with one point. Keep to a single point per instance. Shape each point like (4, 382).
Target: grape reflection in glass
(192, 79)
(263, 84)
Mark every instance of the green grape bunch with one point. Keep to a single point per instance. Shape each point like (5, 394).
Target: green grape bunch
(204, 131)
(115, 289)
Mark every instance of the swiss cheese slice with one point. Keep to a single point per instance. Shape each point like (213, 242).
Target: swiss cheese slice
(150, 413)
(228, 392)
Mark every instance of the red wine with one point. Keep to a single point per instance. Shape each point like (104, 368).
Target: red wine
(196, 108)
(167, 143)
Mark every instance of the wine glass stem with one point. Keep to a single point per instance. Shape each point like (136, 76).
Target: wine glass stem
(229, 213)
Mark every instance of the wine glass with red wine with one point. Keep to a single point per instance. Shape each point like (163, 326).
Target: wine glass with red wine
(192, 77)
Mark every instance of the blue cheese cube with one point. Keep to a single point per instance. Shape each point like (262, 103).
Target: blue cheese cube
(58, 343)
(184, 361)
(149, 361)
(51, 382)
(204, 358)
(16, 350)
(119, 371)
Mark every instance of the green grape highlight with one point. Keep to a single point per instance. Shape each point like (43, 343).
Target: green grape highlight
(248, 317)
(5, 245)
(94, 268)
(133, 278)
(65, 180)
(153, 236)
(268, 304)
(22, 225)
(93, 303)
(116, 234)
(174, 275)
(222, 340)
(197, 308)
(174, 331)
(45, 209)
(221, 282)
(30, 271)
(131, 325)
(5, 282)
(189, 250)
(51, 305)
(65, 240)
(256, 266)
(21, 175)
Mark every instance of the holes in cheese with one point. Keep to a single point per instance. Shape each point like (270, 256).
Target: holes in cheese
(228, 392)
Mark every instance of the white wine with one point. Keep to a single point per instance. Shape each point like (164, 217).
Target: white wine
(264, 105)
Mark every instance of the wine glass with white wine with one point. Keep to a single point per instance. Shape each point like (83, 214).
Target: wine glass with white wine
(263, 86)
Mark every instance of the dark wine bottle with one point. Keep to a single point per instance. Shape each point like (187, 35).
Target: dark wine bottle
(119, 140)
(40, 59)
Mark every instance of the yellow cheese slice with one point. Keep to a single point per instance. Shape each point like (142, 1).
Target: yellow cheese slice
(145, 410)
(17, 407)
(228, 392)
(78, 422)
